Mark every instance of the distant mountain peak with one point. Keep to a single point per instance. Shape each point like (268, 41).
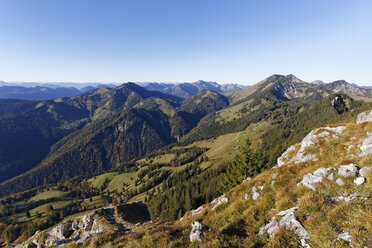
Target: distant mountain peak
(317, 82)
(341, 82)
(293, 79)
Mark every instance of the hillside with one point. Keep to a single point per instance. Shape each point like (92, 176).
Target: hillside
(318, 195)
(289, 87)
(22, 146)
(116, 139)
(129, 144)
(274, 99)
(271, 101)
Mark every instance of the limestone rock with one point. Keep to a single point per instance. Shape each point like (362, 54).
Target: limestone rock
(364, 117)
(261, 187)
(255, 194)
(197, 231)
(330, 177)
(348, 198)
(247, 179)
(218, 201)
(339, 182)
(304, 243)
(37, 243)
(274, 175)
(271, 228)
(366, 147)
(365, 171)
(288, 221)
(345, 236)
(285, 155)
(197, 211)
(291, 223)
(311, 179)
(309, 141)
(59, 232)
(359, 180)
(288, 211)
(350, 170)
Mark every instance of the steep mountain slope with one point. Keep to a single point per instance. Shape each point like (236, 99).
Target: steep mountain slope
(325, 203)
(344, 87)
(291, 87)
(102, 145)
(331, 109)
(172, 180)
(283, 87)
(14, 107)
(194, 108)
(318, 195)
(28, 129)
(270, 141)
(187, 114)
(272, 100)
(96, 148)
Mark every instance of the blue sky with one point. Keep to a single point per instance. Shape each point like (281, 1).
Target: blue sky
(227, 41)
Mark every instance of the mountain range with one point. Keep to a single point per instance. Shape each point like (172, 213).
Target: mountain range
(175, 147)
(49, 91)
(186, 90)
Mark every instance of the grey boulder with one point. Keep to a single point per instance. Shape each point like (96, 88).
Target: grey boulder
(197, 231)
(350, 170)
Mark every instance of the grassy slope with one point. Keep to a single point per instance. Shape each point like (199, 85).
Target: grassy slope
(362, 98)
(49, 194)
(60, 199)
(236, 223)
(221, 149)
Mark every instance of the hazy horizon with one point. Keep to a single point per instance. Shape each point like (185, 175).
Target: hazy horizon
(176, 82)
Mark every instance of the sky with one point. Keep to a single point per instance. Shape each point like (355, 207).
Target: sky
(227, 41)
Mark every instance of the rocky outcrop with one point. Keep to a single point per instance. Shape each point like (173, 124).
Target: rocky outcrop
(340, 182)
(271, 228)
(310, 141)
(331, 176)
(348, 198)
(218, 201)
(247, 179)
(76, 230)
(345, 236)
(197, 231)
(359, 180)
(289, 222)
(285, 155)
(255, 194)
(197, 211)
(59, 233)
(364, 117)
(366, 146)
(350, 170)
(311, 179)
